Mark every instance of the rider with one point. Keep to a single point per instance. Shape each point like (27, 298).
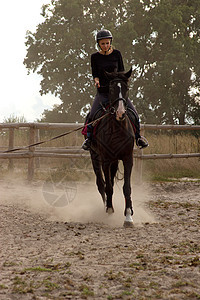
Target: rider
(107, 59)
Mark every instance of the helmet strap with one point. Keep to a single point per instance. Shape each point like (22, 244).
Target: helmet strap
(107, 50)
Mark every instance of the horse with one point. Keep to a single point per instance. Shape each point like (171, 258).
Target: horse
(114, 141)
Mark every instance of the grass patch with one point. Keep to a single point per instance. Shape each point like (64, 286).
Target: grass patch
(47, 268)
(86, 291)
(37, 269)
(167, 204)
(50, 286)
(21, 286)
(9, 264)
(171, 169)
(3, 286)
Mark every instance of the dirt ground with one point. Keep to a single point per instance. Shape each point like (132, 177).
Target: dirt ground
(57, 242)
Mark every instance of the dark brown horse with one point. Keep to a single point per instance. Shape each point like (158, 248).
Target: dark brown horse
(114, 141)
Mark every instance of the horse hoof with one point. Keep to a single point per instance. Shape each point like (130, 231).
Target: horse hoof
(109, 210)
(128, 224)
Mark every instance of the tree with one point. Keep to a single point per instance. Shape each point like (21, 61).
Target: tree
(159, 38)
(60, 52)
(166, 47)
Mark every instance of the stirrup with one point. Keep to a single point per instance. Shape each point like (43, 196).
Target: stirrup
(142, 142)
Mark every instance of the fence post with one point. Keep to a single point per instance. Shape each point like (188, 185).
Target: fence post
(31, 151)
(138, 164)
(37, 139)
(11, 146)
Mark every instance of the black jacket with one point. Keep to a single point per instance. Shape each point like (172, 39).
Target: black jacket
(109, 63)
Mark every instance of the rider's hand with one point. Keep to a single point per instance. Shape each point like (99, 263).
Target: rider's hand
(96, 83)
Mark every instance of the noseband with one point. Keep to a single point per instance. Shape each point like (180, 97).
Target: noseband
(112, 108)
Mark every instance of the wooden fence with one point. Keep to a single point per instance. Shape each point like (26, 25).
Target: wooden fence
(31, 153)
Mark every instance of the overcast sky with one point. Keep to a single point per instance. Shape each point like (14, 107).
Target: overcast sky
(19, 95)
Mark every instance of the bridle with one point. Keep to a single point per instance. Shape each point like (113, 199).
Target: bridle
(112, 105)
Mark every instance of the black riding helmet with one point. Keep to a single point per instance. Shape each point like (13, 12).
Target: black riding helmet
(104, 34)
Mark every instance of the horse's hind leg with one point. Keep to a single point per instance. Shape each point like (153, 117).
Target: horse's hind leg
(128, 164)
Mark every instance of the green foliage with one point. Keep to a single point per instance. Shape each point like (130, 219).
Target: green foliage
(167, 65)
(159, 38)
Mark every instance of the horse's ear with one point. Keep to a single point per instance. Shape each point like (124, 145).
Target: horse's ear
(128, 74)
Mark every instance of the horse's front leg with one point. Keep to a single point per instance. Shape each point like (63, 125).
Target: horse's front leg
(108, 188)
(128, 164)
(96, 163)
(113, 171)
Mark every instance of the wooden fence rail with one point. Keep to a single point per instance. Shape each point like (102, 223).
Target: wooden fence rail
(75, 152)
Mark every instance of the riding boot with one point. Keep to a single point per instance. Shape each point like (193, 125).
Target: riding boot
(87, 143)
(141, 142)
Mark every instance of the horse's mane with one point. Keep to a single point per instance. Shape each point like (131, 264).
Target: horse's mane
(118, 75)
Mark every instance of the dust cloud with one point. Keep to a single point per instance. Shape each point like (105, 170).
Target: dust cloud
(81, 202)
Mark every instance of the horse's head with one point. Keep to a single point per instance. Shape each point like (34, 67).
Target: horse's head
(118, 93)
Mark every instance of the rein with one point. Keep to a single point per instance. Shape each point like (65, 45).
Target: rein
(56, 137)
(111, 111)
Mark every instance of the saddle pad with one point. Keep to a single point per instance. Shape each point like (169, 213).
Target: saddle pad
(84, 130)
(99, 113)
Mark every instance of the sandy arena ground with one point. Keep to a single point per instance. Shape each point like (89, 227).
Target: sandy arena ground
(77, 251)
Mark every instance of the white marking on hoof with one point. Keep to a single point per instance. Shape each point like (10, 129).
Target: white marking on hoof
(128, 221)
(128, 224)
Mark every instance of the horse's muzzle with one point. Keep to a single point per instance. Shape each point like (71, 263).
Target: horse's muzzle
(120, 118)
(120, 112)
